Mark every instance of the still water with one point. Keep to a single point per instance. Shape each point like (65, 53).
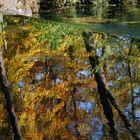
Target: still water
(114, 19)
(54, 89)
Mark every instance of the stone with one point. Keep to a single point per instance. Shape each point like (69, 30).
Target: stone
(18, 7)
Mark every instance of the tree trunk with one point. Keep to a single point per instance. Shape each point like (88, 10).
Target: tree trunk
(107, 100)
(5, 88)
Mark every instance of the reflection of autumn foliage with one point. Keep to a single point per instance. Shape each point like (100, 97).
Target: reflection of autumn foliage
(42, 108)
(51, 62)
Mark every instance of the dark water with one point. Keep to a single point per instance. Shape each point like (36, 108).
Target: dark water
(73, 108)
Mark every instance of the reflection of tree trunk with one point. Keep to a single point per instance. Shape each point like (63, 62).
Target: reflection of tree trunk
(130, 76)
(8, 97)
(137, 43)
(70, 53)
(100, 82)
(74, 103)
(105, 95)
(105, 66)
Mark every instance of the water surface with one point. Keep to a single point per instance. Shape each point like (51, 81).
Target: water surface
(116, 19)
(52, 81)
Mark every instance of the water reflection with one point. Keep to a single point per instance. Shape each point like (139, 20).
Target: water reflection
(137, 90)
(97, 125)
(114, 19)
(137, 114)
(85, 73)
(66, 102)
(87, 106)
